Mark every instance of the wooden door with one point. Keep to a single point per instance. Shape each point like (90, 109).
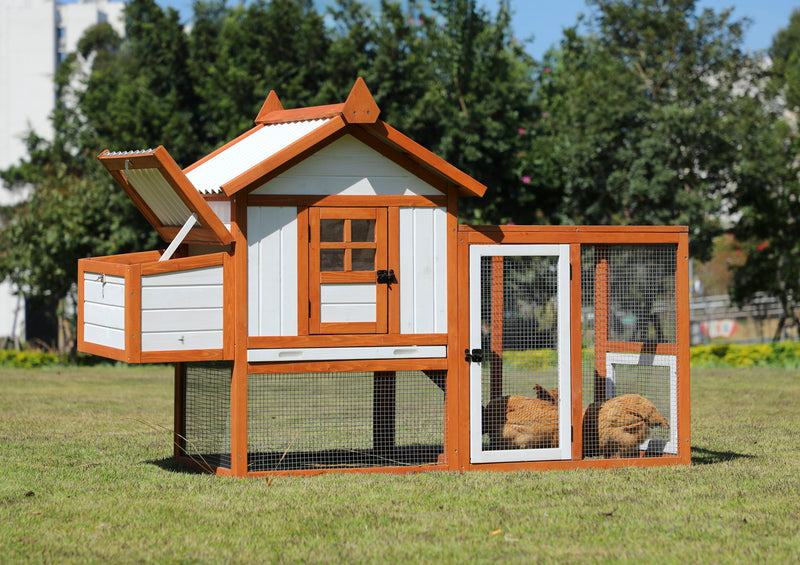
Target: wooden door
(347, 250)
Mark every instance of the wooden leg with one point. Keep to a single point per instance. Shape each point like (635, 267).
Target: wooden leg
(384, 392)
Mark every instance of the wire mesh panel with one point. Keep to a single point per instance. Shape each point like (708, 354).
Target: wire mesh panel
(345, 420)
(207, 413)
(521, 294)
(629, 320)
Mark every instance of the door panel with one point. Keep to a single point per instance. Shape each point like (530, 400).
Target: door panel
(519, 348)
(347, 247)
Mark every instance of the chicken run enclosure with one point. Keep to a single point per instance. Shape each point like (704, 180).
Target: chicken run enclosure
(326, 312)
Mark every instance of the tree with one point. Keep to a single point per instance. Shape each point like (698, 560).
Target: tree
(769, 206)
(640, 118)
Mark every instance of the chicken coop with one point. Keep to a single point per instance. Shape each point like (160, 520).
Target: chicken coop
(325, 311)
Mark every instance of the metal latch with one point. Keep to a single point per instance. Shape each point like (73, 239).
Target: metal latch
(386, 277)
(475, 357)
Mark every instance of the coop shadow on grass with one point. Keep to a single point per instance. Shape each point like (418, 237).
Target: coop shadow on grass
(702, 456)
(171, 465)
(400, 456)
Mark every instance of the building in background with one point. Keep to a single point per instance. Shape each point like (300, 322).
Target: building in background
(35, 36)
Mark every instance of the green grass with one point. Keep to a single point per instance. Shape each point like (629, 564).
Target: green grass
(83, 479)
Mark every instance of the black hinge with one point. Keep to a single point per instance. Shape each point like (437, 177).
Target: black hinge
(386, 277)
(475, 357)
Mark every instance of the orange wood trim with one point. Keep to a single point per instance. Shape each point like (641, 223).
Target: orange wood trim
(257, 175)
(496, 339)
(347, 201)
(360, 106)
(583, 464)
(340, 340)
(94, 266)
(103, 351)
(467, 185)
(180, 355)
(228, 306)
(222, 148)
(314, 281)
(453, 377)
(187, 192)
(302, 114)
(558, 237)
(351, 327)
(393, 262)
(640, 347)
(683, 337)
(570, 229)
(142, 160)
(303, 274)
(179, 427)
(271, 104)
(126, 258)
(239, 376)
(576, 352)
(402, 159)
(601, 297)
(315, 472)
(349, 365)
(196, 235)
(184, 264)
(81, 301)
(462, 390)
(332, 277)
(133, 313)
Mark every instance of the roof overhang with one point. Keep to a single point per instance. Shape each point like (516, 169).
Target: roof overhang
(161, 191)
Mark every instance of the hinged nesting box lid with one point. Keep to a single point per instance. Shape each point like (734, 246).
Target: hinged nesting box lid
(161, 191)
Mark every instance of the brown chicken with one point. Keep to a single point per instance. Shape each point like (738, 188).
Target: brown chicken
(617, 427)
(519, 422)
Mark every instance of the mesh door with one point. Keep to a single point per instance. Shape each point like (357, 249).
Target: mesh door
(629, 319)
(207, 413)
(519, 300)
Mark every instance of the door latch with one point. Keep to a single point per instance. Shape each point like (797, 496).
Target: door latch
(386, 277)
(475, 357)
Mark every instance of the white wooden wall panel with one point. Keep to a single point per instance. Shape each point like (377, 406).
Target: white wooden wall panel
(347, 353)
(333, 313)
(331, 171)
(99, 335)
(179, 319)
(177, 341)
(183, 310)
(191, 277)
(104, 315)
(423, 270)
(104, 310)
(184, 297)
(348, 303)
(272, 271)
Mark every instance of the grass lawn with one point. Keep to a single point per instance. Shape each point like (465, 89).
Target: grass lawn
(85, 477)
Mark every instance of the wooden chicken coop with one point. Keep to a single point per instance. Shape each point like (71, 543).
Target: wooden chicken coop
(326, 312)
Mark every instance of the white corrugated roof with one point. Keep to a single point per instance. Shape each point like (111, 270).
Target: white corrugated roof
(209, 177)
(159, 196)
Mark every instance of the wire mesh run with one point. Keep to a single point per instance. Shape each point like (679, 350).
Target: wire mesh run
(519, 338)
(207, 413)
(345, 420)
(629, 321)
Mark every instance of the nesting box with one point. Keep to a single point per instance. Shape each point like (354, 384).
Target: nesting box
(325, 311)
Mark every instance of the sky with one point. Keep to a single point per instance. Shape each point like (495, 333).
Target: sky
(545, 19)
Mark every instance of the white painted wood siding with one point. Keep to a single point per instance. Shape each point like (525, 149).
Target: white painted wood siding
(348, 303)
(423, 270)
(104, 310)
(272, 271)
(347, 167)
(183, 310)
